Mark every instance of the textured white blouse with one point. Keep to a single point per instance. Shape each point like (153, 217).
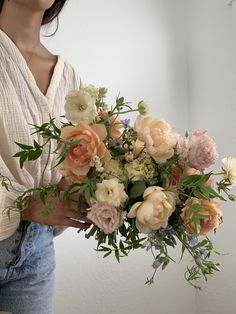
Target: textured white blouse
(22, 103)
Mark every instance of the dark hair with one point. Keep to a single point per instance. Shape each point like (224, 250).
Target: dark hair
(50, 14)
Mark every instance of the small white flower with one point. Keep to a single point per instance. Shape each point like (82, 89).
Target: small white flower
(96, 162)
(80, 107)
(100, 169)
(111, 192)
(230, 169)
(129, 156)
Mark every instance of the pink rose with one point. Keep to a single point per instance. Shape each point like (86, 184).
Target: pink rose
(76, 164)
(202, 150)
(106, 217)
(182, 148)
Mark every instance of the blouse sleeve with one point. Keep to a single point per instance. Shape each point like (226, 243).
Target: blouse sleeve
(9, 221)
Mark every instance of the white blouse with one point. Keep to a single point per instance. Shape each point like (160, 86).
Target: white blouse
(21, 104)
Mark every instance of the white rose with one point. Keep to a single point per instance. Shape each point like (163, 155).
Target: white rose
(80, 107)
(111, 192)
(230, 169)
(154, 212)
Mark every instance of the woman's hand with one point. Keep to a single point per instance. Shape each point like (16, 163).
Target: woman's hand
(59, 214)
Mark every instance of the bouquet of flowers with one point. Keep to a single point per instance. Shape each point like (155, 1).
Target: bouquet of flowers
(145, 186)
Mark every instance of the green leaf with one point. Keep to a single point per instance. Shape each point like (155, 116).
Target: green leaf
(18, 154)
(137, 189)
(23, 146)
(34, 154)
(117, 255)
(91, 232)
(5, 185)
(193, 208)
(36, 145)
(87, 195)
(107, 254)
(46, 210)
(182, 251)
(200, 244)
(22, 160)
(168, 242)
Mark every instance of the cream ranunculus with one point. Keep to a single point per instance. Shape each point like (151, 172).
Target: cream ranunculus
(111, 192)
(230, 169)
(154, 212)
(157, 136)
(80, 107)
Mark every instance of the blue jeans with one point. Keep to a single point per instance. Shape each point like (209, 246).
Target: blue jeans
(27, 263)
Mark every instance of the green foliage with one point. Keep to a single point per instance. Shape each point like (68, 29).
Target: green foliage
(120, 242)
(137, 189)
(28, 152)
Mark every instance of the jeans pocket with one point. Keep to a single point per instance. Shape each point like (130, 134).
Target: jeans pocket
(10, 249)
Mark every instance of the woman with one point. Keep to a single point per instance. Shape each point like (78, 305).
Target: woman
(33, 84)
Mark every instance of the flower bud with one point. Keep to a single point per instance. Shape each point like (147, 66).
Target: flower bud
(143, 108)
(102, 92)
(156, 264)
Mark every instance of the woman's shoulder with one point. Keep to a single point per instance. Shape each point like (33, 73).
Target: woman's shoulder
(71, 74)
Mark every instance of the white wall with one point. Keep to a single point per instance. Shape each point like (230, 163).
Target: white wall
(212, 90)
(137, 47)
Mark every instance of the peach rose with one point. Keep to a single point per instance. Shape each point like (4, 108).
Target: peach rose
(76, 164)
(206, 224)
(157, 136)
(138, 146)
(154, 212)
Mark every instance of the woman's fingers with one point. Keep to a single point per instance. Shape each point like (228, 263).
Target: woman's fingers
(76, 224)
(77, 215)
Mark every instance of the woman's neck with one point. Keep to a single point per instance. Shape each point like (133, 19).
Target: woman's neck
(21, 25)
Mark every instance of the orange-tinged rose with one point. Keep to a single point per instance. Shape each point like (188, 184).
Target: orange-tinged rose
(76, 165)
(206, 224)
